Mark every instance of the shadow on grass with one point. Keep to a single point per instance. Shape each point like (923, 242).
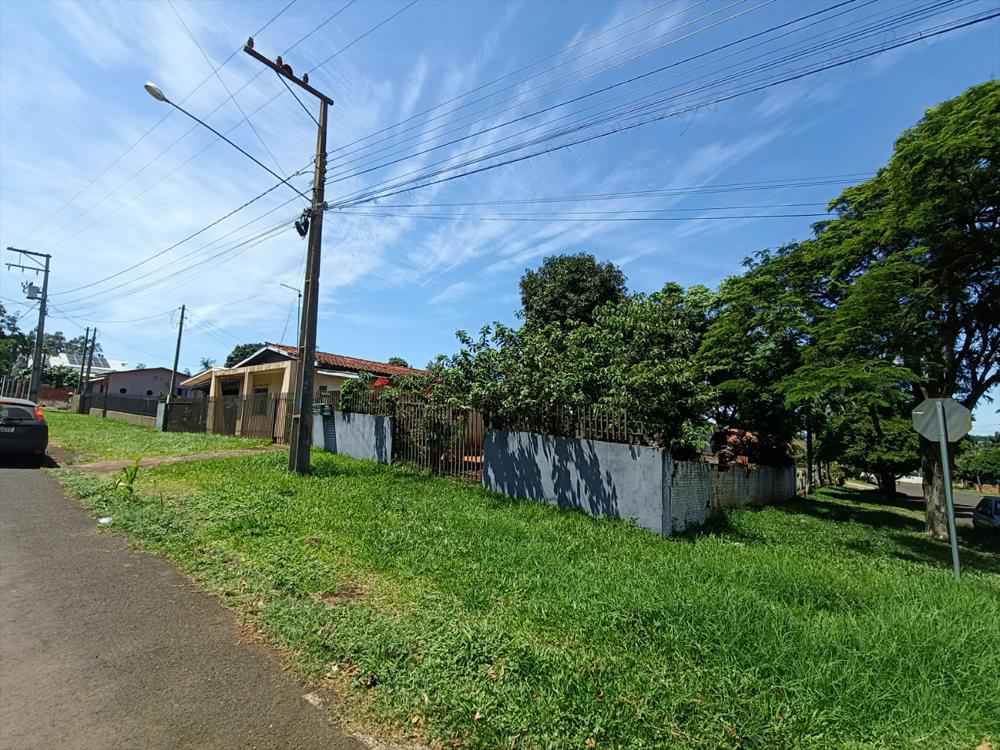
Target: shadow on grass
(880, 518)
(976, 550)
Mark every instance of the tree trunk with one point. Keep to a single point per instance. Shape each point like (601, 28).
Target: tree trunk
(886, 483)
(933, 472)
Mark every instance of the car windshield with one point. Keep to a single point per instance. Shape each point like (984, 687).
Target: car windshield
(12, 413)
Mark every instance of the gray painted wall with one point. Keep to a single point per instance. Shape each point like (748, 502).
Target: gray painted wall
(616, 480)
(602, 479)
(364, 436)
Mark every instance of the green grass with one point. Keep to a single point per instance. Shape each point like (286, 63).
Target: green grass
(830, 622)
(88, 438)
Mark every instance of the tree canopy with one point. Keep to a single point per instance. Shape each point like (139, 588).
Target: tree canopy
(569, 289)
(239, 353)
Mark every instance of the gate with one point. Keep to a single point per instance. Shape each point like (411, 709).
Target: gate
(445, 440)
(227, 409)
(186, 416)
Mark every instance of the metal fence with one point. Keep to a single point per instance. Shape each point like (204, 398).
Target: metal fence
(584, 423)
(184, 415)
(12, 387)
(445, 440)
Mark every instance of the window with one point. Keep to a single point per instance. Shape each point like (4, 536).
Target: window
(123, 390)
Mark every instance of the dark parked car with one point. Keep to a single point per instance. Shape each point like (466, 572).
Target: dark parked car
(987, 515)
(23, 430)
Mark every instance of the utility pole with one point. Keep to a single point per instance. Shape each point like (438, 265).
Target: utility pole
(83, 364)
(302, 416)
(90, 362)
(32, 290)
(173, 372)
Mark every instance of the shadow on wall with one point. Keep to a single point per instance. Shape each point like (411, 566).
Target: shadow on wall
(383, 450)
(577, 478)
(572, 475)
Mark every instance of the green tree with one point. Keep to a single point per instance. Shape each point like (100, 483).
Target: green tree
(398, 361)
(206, 363)
(980, 464)
(13, 343)
(76, 345)
(241, 352)
(637, 357)
(908, 274)
(60, 377)
(569, 289)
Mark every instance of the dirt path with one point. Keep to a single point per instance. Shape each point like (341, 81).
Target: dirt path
(105, 647)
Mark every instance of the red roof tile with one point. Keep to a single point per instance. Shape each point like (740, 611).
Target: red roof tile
(353, 363)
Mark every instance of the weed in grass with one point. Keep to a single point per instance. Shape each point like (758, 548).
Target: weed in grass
(821, 624)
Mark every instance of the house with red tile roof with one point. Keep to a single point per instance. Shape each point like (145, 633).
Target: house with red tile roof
(270, 372)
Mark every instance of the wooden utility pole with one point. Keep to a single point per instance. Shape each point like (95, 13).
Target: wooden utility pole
(173, 372)
(302, 416)
(83, 365)
(90, 363)
(36, 361)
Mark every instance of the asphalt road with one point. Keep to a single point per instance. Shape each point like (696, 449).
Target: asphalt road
(102, 647)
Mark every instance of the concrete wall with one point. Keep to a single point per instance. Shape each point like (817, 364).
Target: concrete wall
(122, 416)
(359, 435)
(602, 479)
(739, 485)
(689, 484)
(616, 480)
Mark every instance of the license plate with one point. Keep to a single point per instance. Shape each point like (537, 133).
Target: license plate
(6, 429)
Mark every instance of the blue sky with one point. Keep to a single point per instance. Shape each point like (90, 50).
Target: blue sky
(75, 183)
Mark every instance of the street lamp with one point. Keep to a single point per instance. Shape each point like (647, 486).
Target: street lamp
(157, 93)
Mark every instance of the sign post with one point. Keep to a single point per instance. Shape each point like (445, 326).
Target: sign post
(945, 420)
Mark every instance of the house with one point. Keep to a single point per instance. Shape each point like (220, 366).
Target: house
(271, 371)
(147, 382)
(251, 398)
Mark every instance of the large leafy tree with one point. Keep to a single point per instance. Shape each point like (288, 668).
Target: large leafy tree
(908, 275)
(241, 352)
(569, 289)
(636, 357)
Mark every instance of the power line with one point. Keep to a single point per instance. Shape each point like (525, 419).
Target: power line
(221, 104)
(167, 249)
(576, 75)
(425, 181)
(480, 87)
(155, 125)
(540, 218)
(218, 75)
(241, 245)
(606, 115)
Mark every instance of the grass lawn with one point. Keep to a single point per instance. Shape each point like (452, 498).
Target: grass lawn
(88, 438)
(476, 621)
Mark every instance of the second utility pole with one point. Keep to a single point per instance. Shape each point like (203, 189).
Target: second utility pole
(173, 372)
(300, 443)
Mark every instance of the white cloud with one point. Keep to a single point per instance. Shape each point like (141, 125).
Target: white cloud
(453, 292)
